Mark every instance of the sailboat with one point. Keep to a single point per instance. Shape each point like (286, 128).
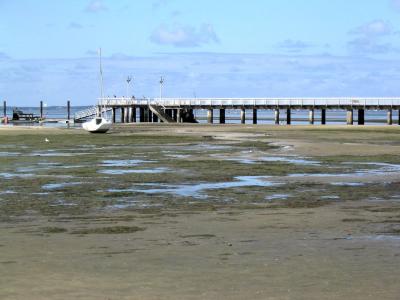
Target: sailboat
(99, 124)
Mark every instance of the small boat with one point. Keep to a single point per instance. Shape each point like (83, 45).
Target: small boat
(97, 125)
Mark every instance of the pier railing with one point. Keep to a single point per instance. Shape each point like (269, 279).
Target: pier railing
(243, 102)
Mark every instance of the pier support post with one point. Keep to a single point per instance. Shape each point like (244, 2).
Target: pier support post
(350, 117)
(141, 114)
(390, 117)
(41, 109)
(146, 114)
(222, 116)
(311, 116)
(178, 116)
(5, 109)
(113, 114)
(155, 118)
(255, 116)
(323, 116)
(210, 116)
(277, 116)
(361, 117)
(132, 114)
(288, 116)
(122, 115)
(68, 110)
(243, 116)
(127, 114)
(398, 119)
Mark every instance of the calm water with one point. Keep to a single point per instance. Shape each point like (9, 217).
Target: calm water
(233, 116)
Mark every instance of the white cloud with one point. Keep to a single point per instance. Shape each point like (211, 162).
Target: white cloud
(294, 45)
(184, 36)
(371, 38)
(374, 28)
(75, 25)
(95, 6)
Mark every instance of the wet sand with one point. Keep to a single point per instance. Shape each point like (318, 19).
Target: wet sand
(234, 244)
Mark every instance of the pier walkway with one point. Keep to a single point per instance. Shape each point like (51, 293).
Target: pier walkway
(180, 110)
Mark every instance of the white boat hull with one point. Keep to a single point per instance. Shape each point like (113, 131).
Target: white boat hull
(97, 125)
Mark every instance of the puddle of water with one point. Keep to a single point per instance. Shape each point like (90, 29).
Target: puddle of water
(277, 196)
(50, 153)
(9, 154)
(347, 183)
(8, 192)
(295, 161)
(196, 190)
(330, 197)
(124, 171)
(207, 147)
(14, 175)
(55, 186)
(285, 159)
(62, 203)
(123, 163)
(178, 155)
(133, 204)
(49, 167)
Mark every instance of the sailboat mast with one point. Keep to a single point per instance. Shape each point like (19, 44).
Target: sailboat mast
(101, 75)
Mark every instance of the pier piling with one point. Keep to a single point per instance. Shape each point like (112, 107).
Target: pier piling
(68, 110)
(243, 116)
(350, 116)
(323, 116)
(210, 116)
(277, 116)
(122, 115)
(361, 117)
(254, 116)
(390, 117)
(132, 115)
(5, 109)
(41, 109)
(288, 116)
(113, 114)
(222, 116)
(311, 116)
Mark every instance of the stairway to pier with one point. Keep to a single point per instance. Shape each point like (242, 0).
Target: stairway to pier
(160, 113)
(90, 112)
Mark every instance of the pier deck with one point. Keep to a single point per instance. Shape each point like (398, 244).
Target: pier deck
(181, 109)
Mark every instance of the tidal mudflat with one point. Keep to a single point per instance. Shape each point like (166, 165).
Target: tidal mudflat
(200, 212)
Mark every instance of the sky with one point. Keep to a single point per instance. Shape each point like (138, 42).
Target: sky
(208, 48)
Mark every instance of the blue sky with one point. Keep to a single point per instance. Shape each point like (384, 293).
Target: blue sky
(254, 48)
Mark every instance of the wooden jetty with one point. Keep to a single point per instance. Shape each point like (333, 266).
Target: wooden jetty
(180, 110)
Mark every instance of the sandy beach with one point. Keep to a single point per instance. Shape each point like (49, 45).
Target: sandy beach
(200, 212)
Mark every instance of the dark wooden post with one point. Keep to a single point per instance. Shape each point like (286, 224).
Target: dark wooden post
(210, 116)
(133, 114)
(222, 116)
(243, 116)
(277, 115)
(323, 116)
(254, 115)
(141, 116)
(41, 109)
(288, 116)
(122, 115)
(361, 117)
(5, 108)
(68, 110)
(113, 114)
